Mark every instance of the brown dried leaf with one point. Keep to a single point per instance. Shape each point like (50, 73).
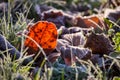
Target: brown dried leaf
(62, 30)
(58, 17)
(37, 10)
(74, 30)
(53, 56)
(83, 53)
(75, 39)
(113, 14)
(113, 3)
(78, 29)
(95, 58)
(55, 16)
(70, 53)
(60, 43)
(91, 21)
(99, 44)
(7, 47)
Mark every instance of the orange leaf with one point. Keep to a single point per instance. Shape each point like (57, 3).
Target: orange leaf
(91, 21)
(45, 34)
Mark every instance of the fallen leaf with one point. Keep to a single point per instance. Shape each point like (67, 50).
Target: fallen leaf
(62, 30)
(55, 16)
(71, 30)
(53, 56)
(7, 47)
(98, 43)
(96, 59)
(75, 39)
(69, 54)
(60, 43)
(113, 3)
(113, 15)
(45, 34)
(74, 29)
(58, 17)
(92, 21)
